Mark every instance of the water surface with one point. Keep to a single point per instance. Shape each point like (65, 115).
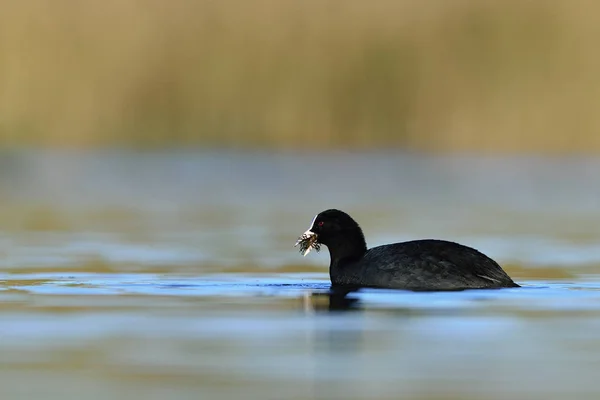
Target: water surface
(173, 275)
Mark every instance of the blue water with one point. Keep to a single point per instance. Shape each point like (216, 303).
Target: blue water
(153, 276)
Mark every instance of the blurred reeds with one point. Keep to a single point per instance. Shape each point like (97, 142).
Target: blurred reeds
(484, 75)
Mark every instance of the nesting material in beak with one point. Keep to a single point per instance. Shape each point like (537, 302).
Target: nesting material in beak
(307, 242)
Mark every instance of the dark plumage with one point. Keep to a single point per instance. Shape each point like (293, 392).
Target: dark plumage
(415, 265)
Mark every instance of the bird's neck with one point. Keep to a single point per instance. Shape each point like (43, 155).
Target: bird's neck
(347, 248)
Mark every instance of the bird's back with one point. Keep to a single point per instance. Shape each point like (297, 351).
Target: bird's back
(424, 265)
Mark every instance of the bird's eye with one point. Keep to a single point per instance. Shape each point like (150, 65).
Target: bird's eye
(320, 223)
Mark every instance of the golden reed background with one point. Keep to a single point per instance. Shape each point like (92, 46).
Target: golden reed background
(483, 75)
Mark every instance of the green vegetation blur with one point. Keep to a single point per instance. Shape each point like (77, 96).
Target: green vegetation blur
(435, 75)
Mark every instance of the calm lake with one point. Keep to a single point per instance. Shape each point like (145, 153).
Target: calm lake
(174, 276)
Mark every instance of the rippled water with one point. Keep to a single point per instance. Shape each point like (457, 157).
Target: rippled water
(157, 276)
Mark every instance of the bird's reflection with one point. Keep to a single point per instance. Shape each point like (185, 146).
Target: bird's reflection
(333, 338)
(333, 300)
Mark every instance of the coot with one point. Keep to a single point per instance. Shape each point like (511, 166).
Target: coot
(415, 265)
